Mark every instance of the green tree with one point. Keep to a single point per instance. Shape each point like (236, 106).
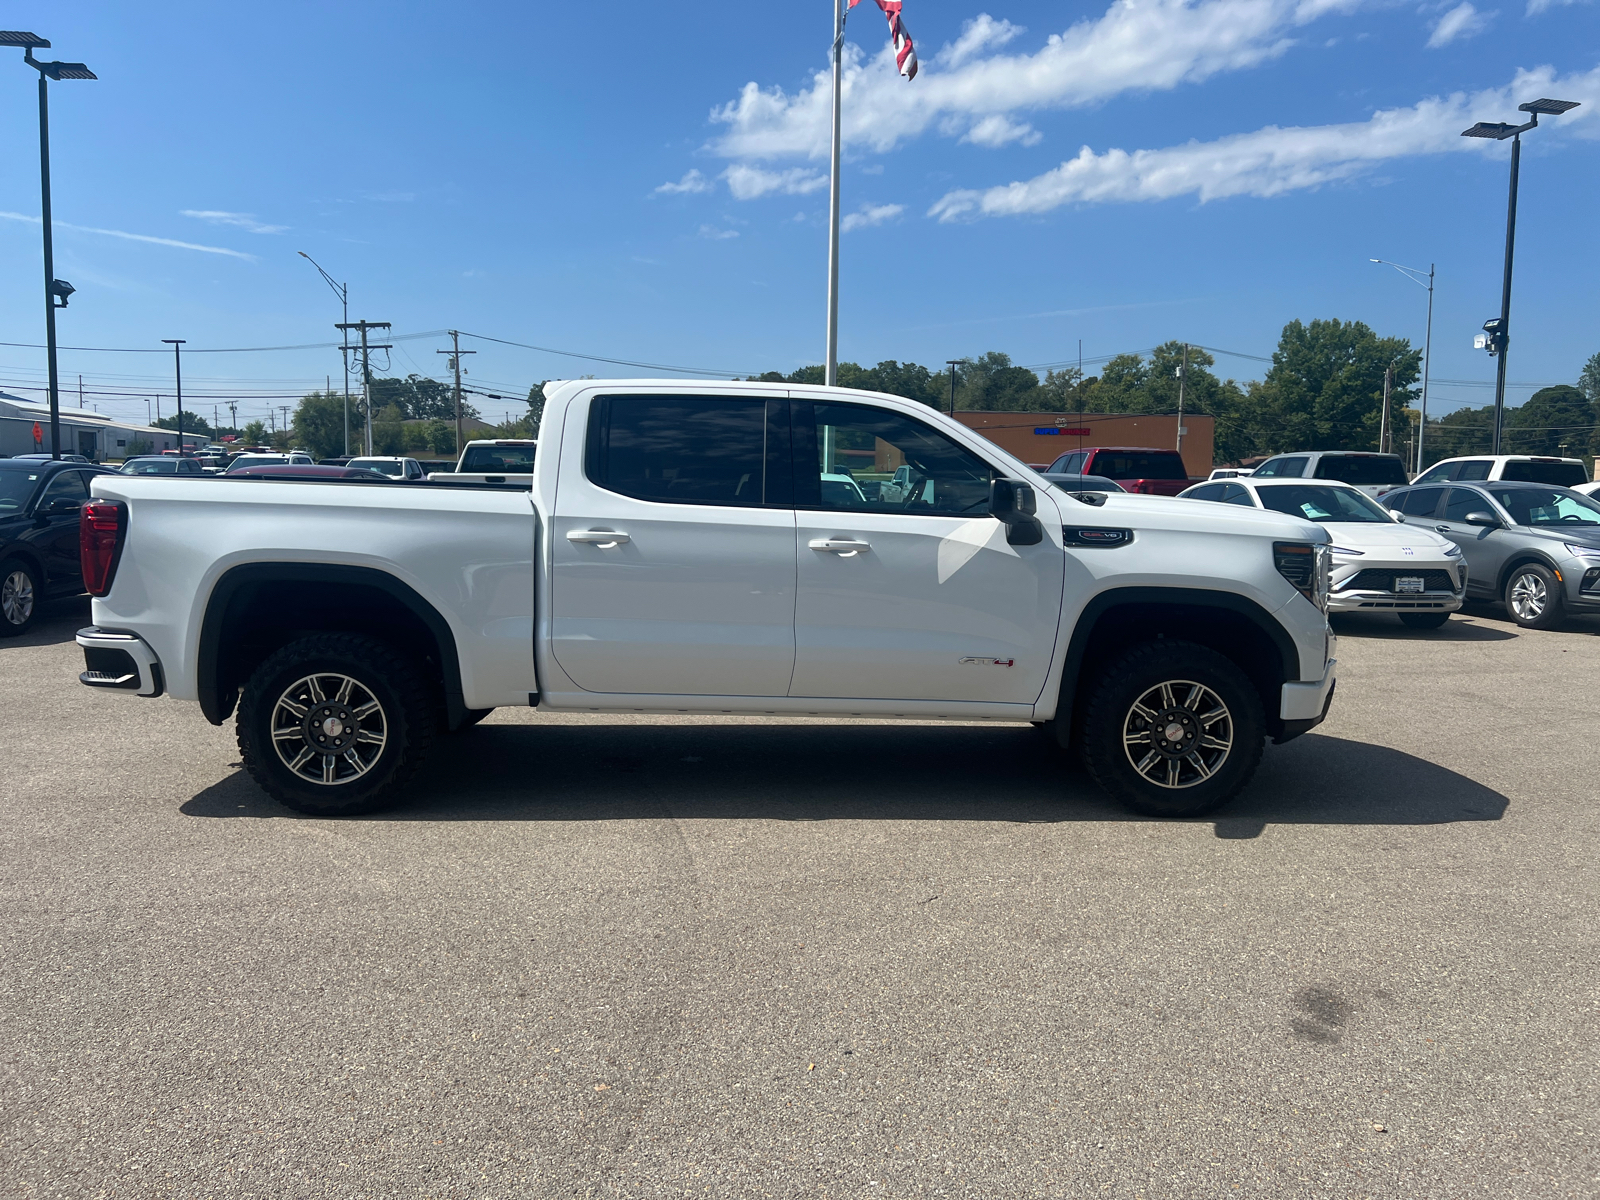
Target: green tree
(389, 430)
(442, 438)
(535, 408)
(1554, 420)
(319, 424)
(1589, 380)
(138, 446)
(1462, 432)
(192, 423)
(255, 433)
(418, 398)
(1325, 388)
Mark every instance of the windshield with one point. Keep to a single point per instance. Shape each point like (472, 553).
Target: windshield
(1323, 504)
(1559, 473)
(1547, 506)
(385, 466)
(1116, 465)
(1362, 469)
(517, 459)
(15, 488)
(151, 466)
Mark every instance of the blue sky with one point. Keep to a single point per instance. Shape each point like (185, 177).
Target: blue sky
(647, 182)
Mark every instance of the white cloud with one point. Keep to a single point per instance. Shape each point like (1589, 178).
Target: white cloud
(717, 235)
(870, 215)
(998, 130)
(1535, 7)
(1135, 46)
(132, 237)
(747, 183)
(237, 220)
(1462, 21)
(691, 183)
(1272, 161)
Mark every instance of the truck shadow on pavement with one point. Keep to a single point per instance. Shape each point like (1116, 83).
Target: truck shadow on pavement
(800, 772)
(1458, 629)
(58, 622)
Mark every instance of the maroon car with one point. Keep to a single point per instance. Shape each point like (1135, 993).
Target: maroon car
(1136, 468)
(303, 471)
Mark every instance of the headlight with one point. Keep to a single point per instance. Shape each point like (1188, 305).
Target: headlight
(1345, 550)
(1583, 551)
(1452, 551)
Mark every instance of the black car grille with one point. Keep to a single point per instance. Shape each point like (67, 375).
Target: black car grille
(1378, 579)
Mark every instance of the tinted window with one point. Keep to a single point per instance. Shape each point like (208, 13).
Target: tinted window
(1548, 506)
(854, 454)
(1362, 469)
(15, 488)
(1462, 501)
(1560, 474)
(150, 466)
(69, 485)
(1232, 493)
(1473, 468)
(1312, 503)
(681, 449)
(1283, 468)
(1422, 502)
(1069, 464)
(516, 459)
(1438, 474)
(1116, 464)
(1204, 492)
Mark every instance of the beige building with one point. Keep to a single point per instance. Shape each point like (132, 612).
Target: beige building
(1041, 438)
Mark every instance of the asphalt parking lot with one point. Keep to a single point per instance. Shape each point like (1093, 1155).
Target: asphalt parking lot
(741, 957)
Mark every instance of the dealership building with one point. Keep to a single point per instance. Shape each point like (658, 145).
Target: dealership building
(25, 429)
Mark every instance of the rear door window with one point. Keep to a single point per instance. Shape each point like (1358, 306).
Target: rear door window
(1558, 473)
(690, 449)
(1422, 502)
(1118, 464)
(1283, 468)
(1362, 470)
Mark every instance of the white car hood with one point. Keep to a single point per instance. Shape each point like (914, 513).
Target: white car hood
(1362, 535)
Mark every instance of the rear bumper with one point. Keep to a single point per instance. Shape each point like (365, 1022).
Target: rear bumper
(1305, 705)
(121, 661)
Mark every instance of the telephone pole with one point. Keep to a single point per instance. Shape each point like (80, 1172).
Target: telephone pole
(1383, 425)
(455, 365)
(284, 409)
(1183, 378)
(366, 367)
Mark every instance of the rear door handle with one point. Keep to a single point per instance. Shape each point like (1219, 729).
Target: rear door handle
(843, 547)
(598, 537)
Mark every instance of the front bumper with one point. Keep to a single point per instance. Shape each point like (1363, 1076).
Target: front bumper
(119, 660)
(1304, 705)
(1373, 585)
(1364, 601)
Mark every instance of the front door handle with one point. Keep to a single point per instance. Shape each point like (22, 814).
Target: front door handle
(598, 537)
(843, 547)
(1442, 528)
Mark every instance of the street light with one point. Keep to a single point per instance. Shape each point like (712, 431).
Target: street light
(54, 288)
(341, 290)
(1498, 328)
(1416, 277)
(177, 367)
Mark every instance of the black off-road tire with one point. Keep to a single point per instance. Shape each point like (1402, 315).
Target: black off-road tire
(1205, 777)
(1543, 606)
(21, 595)
(406, 721)
(1424, 620)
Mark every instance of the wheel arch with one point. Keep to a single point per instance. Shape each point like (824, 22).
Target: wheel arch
(1235, 626)
(256, 607)
(1521, 559)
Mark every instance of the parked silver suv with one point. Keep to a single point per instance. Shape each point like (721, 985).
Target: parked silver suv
(1535, 546)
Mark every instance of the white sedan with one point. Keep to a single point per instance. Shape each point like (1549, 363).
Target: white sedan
(1379, 563)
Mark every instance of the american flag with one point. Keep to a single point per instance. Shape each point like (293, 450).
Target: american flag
(905, 54)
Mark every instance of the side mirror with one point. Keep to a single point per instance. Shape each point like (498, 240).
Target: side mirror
(1013, 503)
(1486, 519)
(62, 504)
(1398, 515)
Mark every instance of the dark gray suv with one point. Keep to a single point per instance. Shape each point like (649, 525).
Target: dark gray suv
(1535, 546)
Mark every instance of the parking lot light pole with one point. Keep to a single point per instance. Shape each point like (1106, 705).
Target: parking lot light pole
(1415, 275)
(341, 290)
(1499, 331)
(54, 289)
(177, 370)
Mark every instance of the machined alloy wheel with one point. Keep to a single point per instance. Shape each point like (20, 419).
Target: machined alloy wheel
(1177, 734)
(1528, 597)
(16, 597)
(329, 729)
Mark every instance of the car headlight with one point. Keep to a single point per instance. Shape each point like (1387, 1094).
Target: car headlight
(1583, 551)
(1345, 550)
(1452, 551)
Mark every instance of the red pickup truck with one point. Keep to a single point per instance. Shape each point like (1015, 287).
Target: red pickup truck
(1136, 468)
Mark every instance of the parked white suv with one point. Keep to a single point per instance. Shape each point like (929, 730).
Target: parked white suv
(1374, 474)
(1513, 468)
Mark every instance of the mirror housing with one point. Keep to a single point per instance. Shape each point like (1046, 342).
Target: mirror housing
(1486, 519)
(61, 505)
(1013, 503)
(1398, 515)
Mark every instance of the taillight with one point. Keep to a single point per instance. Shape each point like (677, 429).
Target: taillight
(102, 526)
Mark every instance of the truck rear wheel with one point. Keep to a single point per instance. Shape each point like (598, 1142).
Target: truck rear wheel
(1174, 730)
(334, 724)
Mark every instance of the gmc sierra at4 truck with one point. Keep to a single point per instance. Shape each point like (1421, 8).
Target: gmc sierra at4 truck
(689, 548)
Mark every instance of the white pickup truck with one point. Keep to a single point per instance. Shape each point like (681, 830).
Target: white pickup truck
(499, 460)
(677, 552)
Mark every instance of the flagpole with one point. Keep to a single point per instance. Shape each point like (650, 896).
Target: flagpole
(831, 370)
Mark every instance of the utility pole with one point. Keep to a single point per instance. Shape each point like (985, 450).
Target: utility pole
(1183, 378)
(1383, 425)
(233, 416)
(284, 409)
(953, 364)
(455, 365)
(177, 368)
(366, 367)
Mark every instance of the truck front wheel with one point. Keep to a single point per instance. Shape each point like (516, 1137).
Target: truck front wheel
(334, 724)
(1173, 730)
